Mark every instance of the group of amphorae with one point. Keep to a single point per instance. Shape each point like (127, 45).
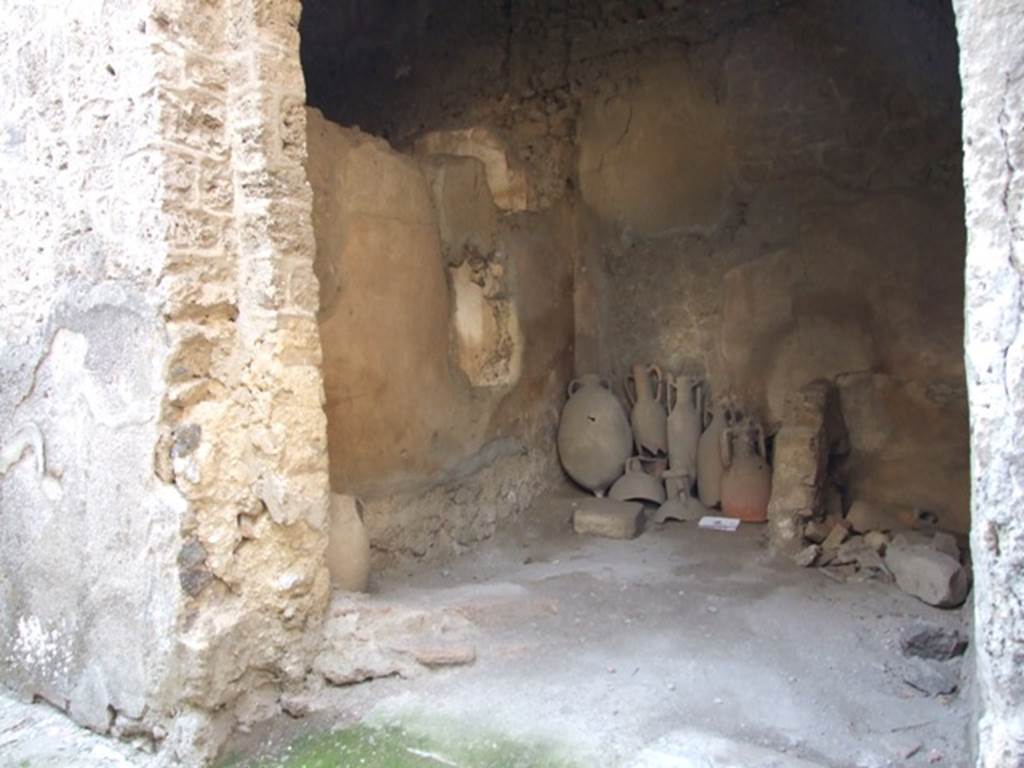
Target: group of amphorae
(681, 445)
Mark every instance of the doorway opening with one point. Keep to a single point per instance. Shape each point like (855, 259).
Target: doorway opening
(762, 197)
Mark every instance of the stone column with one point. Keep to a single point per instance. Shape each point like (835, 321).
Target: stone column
(992, 72)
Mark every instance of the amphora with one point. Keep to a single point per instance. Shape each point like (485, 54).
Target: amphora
(594, 438)
(747, 479)
(709, 454)
(684, 398)
(648, 417)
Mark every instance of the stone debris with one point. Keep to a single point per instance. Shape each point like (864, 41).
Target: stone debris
(807, 556)
(830, 546)
(816, 531)
(610, 518)
(929, 641)
(932, 678)
(931, 576)
(365, 639)
(877, 540)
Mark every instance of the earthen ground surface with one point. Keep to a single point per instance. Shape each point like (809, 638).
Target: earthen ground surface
(631, 653)
(680, 648)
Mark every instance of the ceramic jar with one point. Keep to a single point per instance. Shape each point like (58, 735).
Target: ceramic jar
(648, 417)
(747, 478)
(684, 398)
(348, 545)
(594, 438)
(709, 455)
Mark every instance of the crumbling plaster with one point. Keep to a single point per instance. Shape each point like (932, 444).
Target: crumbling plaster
(991, 36)
(447, 330)
(162, 553)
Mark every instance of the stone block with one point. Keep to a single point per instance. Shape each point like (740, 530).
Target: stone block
(606, 517)
(933, 577)
(947, 544)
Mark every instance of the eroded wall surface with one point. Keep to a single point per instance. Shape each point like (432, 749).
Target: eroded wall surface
(447, 330)
(244, 430)
(769, 191)
(89, 594)
(992, 66)
(163, 480)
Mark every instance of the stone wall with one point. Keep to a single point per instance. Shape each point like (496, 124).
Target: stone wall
(244, 430)
(769, 193)
(163, 478)
(992, 65)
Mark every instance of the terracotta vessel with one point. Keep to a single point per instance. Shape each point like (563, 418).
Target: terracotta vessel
(348, 545)
(747, 480)
(594, 438)
(709, 455)
(684, 398)
(648, 417)
(637, 484)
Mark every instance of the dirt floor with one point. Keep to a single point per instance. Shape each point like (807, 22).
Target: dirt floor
(683, 648)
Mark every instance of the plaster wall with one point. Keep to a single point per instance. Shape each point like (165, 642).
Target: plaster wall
(447, 329)
(163, 482)
(90, 601)
(991, 67)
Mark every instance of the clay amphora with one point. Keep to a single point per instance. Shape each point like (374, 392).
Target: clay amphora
(747, 480)
(348, 545)
(709, 456)
(594, 438)
(644, 390)
(684, 398)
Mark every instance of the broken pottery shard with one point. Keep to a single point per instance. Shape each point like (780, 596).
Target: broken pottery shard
(686, 509)
(929, 641)
(610, 518)
(806, 557)
(932, 577)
